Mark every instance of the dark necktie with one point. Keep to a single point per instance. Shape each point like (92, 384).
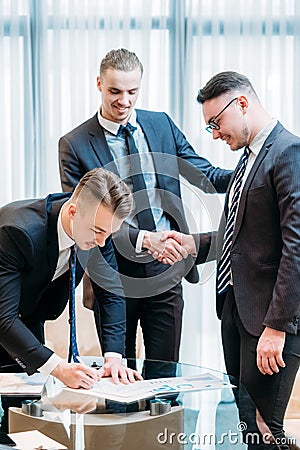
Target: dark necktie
(224, 268)
(73, 349)
(142, 204)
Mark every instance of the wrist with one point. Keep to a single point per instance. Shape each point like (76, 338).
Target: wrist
(274, 332)
(58, 370)
(188, 243)
(146, 240)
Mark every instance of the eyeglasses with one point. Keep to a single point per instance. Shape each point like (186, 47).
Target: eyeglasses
(212, 124)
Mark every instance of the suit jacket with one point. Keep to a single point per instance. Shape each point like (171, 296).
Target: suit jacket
(265, 253)
(28, 259)
(85, 148)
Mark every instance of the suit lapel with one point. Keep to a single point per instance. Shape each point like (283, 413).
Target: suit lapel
(99, 146)
(241, 208)
(54, 204)
(261, 156)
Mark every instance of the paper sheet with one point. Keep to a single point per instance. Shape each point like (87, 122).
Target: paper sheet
(32, 440)
(21, 383)
(152, 388)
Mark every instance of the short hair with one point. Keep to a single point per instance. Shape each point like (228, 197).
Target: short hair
(101, 186)
(120, 59)
(224, 82)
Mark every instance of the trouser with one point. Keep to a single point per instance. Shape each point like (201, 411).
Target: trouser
(154, 297)
(269, 393)
(161, 321)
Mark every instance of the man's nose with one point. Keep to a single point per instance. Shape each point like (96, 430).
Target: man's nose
(124, 98)
(215, 134)
(100, 240)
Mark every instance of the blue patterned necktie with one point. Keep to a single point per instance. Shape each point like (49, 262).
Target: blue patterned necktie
(144, 212)
(224, 269)
(73, 349)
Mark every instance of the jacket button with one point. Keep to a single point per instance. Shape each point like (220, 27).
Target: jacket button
(296, 320)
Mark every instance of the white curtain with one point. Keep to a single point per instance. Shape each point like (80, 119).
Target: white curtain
(50, 53)
(16, 102)
(50, 56)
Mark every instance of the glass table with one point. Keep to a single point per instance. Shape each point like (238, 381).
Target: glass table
(207, 418)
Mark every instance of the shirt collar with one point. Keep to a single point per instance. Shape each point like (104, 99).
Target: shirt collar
(113, 127)
(64, 241)
(260, 138)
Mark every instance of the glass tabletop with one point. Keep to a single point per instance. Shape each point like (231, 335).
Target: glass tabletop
(173, 413)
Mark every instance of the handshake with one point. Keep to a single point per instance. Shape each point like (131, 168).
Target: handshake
(169, 247)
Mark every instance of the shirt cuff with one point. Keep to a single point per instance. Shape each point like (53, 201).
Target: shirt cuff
(139, 241)
(112, 355)
(50, 364)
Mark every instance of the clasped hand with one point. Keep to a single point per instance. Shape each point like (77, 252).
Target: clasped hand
(169, 247)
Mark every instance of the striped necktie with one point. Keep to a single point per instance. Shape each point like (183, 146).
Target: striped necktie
(144, 213)
(73, 349)
(224, 269)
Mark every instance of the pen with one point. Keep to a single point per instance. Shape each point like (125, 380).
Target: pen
(97, 383)
(81, 361)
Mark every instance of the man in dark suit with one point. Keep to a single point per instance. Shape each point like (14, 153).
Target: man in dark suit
(153, 292)
(36, 237)
(258, 249)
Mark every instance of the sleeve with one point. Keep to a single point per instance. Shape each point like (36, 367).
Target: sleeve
(126, 242)
(70, 168)
(284, 309)
(16, 251)
(196, 169)
(206, 247)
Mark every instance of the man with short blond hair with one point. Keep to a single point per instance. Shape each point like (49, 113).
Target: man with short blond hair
(36, 237)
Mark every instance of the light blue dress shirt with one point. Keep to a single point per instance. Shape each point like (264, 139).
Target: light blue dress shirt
(118, 148)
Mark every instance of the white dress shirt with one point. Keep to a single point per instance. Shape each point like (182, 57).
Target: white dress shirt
(255, 147)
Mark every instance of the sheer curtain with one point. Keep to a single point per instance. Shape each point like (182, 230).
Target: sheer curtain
(71, 39)
(50, 53)
(50, 56)
(16, 102)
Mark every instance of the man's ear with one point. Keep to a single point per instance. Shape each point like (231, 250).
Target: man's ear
(99, 86)
(72, 210)
(243, 103)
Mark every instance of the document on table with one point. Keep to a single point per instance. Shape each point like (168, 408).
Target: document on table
(29, 440)
(21, 383)
(128, 393)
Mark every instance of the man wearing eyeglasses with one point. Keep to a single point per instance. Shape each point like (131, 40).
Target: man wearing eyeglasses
(258, 252)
